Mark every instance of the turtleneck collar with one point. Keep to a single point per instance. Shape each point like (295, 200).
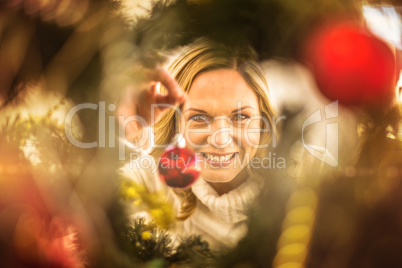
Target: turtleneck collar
(230, 207)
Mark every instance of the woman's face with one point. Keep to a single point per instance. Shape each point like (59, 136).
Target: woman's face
(221, 123)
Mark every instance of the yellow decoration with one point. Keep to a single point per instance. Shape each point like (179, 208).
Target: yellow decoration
(155, 203)
(296, 229)
(146, 235)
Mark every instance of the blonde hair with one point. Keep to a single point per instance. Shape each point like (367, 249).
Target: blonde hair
(205, 55)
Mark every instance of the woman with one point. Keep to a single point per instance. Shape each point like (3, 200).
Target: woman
(226, 118)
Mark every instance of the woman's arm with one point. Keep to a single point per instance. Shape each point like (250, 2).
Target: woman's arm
(140, 100)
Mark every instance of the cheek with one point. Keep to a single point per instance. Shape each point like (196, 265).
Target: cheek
(195, 138)
(251, 135)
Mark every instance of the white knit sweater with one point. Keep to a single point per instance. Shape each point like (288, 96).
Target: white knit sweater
(220, 219)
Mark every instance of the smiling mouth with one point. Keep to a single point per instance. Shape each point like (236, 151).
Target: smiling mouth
(218, 158)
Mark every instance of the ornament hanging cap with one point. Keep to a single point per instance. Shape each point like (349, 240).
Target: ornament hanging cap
(179, 140)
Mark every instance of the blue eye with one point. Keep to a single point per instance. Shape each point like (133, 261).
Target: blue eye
(240, 117)
(198, 118)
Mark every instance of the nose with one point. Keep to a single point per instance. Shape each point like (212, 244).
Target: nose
(222, 132)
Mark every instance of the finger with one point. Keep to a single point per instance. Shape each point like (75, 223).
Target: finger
(175, 93)
(155, 88)
(169, 100)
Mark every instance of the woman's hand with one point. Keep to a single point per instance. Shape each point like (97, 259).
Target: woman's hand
(140, 101)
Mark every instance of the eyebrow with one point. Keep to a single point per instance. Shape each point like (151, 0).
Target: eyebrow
(242, 108)
(196, 110)
(235, 110)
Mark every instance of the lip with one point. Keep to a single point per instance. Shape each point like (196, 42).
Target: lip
(218, 154)
(218, 163)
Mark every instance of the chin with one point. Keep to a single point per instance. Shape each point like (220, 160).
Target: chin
(219, 175)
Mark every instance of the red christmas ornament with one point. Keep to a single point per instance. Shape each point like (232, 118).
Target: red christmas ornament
(351, 65)
(177, 165)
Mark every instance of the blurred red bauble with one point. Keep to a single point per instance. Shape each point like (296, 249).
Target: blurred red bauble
(351, 65)
(177, 167)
